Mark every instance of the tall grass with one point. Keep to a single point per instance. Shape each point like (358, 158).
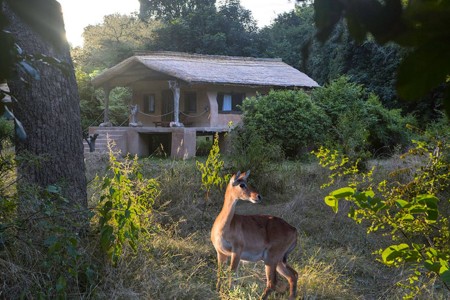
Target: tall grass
(177, 261)
(333, 256)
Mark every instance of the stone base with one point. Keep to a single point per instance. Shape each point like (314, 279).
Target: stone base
(176, 124)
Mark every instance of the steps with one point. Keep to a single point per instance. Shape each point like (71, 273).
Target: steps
(114, 134)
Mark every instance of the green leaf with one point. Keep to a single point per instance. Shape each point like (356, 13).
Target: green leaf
(430, 201)
(432, 216)
(327, 14)
(401, 203)
(53, 189)
(343, 192)
(423, 70)
(332, 202)
(432, 266)
(30, 70)
(391, 253)
(61, 284)
(106, 237)
(445, 276)
(407, 217)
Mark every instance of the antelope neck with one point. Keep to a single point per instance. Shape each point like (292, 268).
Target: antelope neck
(227, 212)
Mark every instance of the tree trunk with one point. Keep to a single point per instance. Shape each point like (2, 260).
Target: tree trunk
(50, 113)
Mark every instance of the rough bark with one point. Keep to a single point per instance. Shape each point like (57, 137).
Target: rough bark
(50, 113)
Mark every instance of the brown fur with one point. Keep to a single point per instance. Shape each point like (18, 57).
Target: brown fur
(253, 237)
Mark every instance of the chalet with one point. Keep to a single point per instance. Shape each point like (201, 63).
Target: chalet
(179, 96)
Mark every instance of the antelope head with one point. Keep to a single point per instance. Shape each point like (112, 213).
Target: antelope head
(241, 190)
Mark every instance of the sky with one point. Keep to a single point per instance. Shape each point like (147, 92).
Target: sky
(80, 13)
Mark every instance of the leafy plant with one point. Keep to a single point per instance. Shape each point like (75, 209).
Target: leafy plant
(251, 151)
(125, 206)
(64, 262)
(411, 212)
(286, 118)
(360, 124)
(211, 170)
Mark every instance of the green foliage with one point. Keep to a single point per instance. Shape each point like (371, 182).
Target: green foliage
(170, 10)
(115, 39)
(201, 27)
(92, 102)
(287, 36)
(90, 105)
(64, 263)
(125, 205)
(212, 169)
(410, 212)
(422, 26)
(292, 37)
(43, 224)
(286, 118)
(204, 145)
(251, 151)
(360, 123)
(340, 115)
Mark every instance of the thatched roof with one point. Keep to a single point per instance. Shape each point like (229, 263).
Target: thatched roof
(203, 69)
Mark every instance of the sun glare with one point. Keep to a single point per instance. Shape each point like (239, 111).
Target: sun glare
(80, 13)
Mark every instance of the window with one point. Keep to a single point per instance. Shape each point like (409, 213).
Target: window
(190, 102)
(149, 103)
(229, 102)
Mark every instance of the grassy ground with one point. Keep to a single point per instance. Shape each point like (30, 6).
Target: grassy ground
(177, 261)
(333, 257)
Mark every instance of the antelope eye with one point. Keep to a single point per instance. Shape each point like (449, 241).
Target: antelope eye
(243, 186)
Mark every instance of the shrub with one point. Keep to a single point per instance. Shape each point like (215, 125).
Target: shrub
(410, 212)
(285, 118)
(124, 209)
(360, 124)
(211, 170)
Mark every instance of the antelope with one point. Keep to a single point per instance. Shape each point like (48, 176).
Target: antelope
(253, 237)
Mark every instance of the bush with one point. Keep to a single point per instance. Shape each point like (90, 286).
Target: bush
(250, 151)
(361, 126)
(92, 102)
(285, 118)
(414, 213)
(341, 115)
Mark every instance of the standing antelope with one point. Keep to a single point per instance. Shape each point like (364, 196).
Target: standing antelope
(253, 237)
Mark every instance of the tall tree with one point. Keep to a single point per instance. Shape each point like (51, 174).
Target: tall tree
(168, 10)
(421, 25)
(112, 41)
(201, 27)
(47, 99)
(369, 64)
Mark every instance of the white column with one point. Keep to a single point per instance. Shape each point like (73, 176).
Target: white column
(175, 87)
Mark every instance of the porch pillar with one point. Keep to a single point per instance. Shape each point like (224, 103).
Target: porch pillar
(106, 122)
(175, 87)
(183, 143)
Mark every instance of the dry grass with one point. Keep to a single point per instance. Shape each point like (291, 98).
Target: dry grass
(333, 256)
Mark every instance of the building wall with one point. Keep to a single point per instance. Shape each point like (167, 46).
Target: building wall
(207, 112)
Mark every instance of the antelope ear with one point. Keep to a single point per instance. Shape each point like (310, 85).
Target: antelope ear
(246, 175)
(236, 178)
